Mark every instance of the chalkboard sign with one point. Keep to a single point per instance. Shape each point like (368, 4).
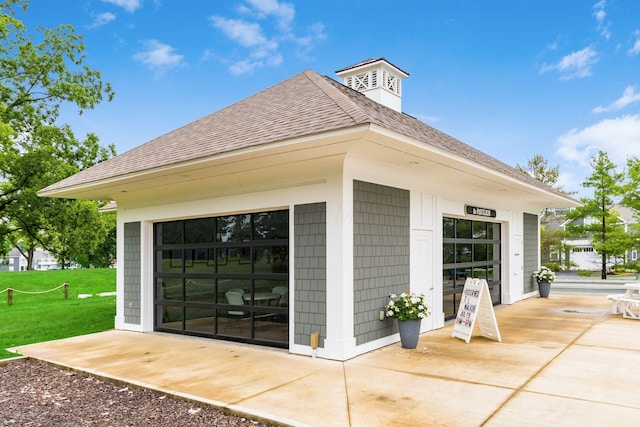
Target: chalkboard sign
(476, 305)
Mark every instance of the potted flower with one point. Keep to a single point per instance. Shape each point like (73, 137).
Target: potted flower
(409, 309)
(544, 276)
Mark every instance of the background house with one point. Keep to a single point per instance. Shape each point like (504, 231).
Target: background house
(42, 260)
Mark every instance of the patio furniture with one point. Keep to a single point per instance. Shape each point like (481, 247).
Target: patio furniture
(284, 299)
(262, 298)
(279, 289)
(235, 298)
(235, 316)
(627, 304)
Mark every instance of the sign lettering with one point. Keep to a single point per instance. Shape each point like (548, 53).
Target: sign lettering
(474, 210)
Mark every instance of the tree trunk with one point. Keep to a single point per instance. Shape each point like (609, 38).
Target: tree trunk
(604, 254)
(30, 258)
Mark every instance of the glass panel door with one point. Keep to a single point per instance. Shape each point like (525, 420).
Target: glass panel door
(470, 249)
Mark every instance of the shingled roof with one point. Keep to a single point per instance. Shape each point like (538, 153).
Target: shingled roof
(305, 104)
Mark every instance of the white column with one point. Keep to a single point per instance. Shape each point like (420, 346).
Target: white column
(340, 342)
(146, 276)
(119, 319)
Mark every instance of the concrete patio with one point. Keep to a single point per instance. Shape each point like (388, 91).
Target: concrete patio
(563, 361)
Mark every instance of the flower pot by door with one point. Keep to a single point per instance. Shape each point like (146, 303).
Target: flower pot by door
(409, 332)
(544, 287)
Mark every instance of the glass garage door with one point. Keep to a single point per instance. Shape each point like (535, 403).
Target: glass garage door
(470, 249)
(224, 277)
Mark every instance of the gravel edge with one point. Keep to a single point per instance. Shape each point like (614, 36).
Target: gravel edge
(37, 393)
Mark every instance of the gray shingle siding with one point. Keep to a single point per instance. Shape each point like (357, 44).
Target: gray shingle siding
(530, 261)
(381, 243)
(310, 293)
(132, 284)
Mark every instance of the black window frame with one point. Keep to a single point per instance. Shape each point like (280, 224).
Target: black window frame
(269, 236)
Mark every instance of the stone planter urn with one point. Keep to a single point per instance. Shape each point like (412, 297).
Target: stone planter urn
(544, 286)
(409, 332)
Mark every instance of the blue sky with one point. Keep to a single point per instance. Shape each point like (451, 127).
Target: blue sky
(513, 78)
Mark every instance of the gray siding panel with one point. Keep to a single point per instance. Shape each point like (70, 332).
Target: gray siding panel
(132, 285)
(381, 244)
(310, 281)
(531, 244)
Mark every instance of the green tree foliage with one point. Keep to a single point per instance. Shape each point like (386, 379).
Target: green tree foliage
(39, 73)
(551, 241)
(632, 189)
(538, 168)
(595, 219)
(105, 253)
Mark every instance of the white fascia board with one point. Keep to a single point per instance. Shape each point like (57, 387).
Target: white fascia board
(467, 163)
(341, 136)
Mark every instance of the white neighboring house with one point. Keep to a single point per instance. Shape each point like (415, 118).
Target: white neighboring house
(582, 253)
(15, 261)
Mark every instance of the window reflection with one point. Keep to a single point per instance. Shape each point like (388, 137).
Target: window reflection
(271, 225)
(234, 260)
(225, 277)
(169, 233)
(200, 230)
(272, 259)
(234, 228)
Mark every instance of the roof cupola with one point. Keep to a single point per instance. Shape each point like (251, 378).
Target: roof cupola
(378, 79)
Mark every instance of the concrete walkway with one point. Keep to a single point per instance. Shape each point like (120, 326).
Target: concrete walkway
(563, 361)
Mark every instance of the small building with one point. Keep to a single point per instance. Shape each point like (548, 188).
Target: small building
(300, 209)
(15, 261)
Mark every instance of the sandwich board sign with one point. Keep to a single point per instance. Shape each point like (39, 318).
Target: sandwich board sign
(476, 305)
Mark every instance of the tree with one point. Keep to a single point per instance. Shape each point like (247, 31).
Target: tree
(595, 218)
(631, 197)
(38, 73)
(76, 232)
(632, 189)
(105, 253)
(538, 168)
(551, 241)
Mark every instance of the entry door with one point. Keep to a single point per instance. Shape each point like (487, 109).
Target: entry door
(422, 273)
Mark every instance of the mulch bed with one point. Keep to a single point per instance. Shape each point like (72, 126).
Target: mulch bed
(33, 393)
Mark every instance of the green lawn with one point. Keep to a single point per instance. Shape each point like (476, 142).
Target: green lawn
(48, 316)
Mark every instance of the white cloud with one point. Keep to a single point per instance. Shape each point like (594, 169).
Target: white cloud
(315, 32)
(600, 15)
(102, 19)
(247, 34)
(618, 137)
(159, 56)
(283, 12)
(128, 5)
(266, 26)
(575, 65)
(245, 66)
(427, 119)
(636, 45)
(628, 97)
